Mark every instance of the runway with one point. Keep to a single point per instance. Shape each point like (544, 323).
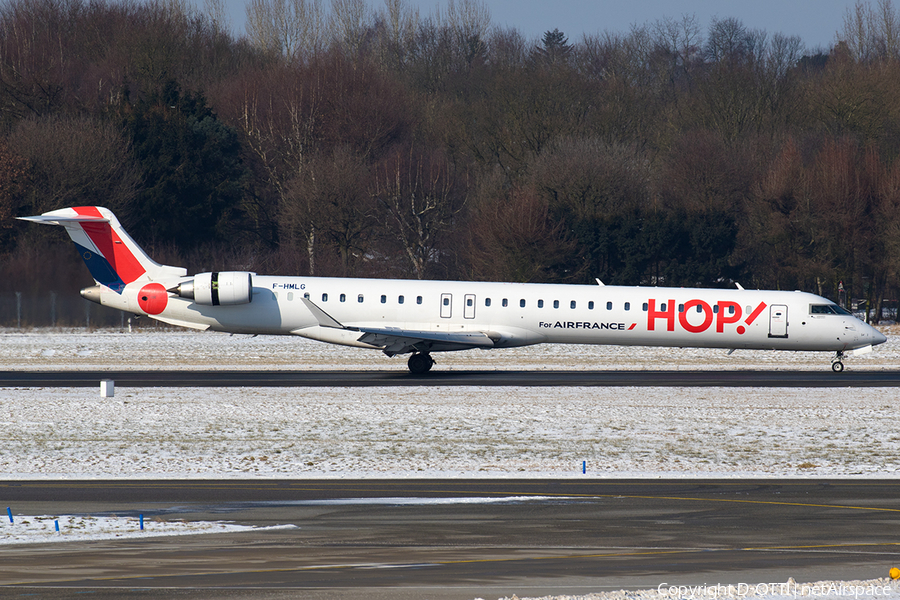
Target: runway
(390, 539)
(533, 378)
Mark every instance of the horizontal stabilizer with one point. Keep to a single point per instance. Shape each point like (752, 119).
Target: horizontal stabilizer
(49, 219)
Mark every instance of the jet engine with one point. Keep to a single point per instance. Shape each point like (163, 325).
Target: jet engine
(217, 289)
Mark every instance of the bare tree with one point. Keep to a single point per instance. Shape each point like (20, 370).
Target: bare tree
(331, 191)
(401, 22)
(349, 21)
(420, 197)
(77, 161)
(14, 175)
(871, 33)
(295, 29)
(279, 111)
(216, 13)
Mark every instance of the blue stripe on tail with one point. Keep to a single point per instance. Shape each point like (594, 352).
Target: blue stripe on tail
(101, 270)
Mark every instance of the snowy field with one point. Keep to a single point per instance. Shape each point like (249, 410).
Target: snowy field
(448, 432)
(873, 589)
(428, 431)
(59, 433)
(41, 529)
(167, 348)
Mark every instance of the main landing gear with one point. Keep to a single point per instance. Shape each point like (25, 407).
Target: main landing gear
(836, 365)
(420, 362)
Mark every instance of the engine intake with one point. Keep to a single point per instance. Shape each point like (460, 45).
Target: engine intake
(218, 289)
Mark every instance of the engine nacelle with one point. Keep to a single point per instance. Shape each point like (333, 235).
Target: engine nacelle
(218, 289)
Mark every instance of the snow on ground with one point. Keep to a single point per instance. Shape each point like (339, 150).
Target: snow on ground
(40, 529)
(428, 431)
(448, 432)
(166, 348)
(435, 432)
(872, 589)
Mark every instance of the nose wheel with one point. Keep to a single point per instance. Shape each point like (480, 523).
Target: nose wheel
(836, 365)
(419, 363)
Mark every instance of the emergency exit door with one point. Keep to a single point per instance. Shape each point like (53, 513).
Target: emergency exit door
(446, 306)
(469, 306)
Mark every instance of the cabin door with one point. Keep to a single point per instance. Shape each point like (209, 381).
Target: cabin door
(778, 321)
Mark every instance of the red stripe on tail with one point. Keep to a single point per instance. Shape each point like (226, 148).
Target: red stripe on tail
(123, 262)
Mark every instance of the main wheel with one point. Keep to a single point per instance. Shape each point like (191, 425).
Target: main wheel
(419, 363)
(837, 366)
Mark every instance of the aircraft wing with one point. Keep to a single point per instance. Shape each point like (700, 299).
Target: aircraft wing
(393, 340)
(397, 341)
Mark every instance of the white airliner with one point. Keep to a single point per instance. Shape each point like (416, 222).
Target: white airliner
(399, 316)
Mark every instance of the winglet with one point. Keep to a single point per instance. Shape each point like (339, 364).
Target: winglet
(324, 319)
(600, 283)
(739, 286)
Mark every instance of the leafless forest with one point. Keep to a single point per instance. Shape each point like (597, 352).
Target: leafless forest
(341, 139)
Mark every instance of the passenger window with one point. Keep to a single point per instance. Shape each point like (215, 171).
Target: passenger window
(572, 304)
(681, 308)
(400, 300)
(699, 308)
(716, 309)
(359, 298)
(343, 297)
(418, 299)
(487, 301)
(645, 307)
(556, 304)
(383, 299)
(324, 297)
(731, 309)
(540, 304)
(446, 301)
(522, 303)
(505, 303)
(662, 307)
(628, 306)
(306, 295)
(609, 306)
(469, 302)
(591, 305)
(290, 296)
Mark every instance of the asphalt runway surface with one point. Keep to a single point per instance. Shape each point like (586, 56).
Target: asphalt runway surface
(232, 378)
(389, 539)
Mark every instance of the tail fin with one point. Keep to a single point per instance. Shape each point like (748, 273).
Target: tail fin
(114, 259)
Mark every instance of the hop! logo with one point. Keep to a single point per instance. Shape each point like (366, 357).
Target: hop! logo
(696, 316)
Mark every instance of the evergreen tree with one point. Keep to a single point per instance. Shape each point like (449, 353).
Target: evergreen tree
(193, 172)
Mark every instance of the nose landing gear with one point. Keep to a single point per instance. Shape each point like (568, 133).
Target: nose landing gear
(419, 363)
(836, 365)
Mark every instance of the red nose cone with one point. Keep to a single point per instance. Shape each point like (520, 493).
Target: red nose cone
(153, 298)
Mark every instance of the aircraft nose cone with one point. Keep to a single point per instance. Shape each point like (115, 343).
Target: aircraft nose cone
(878, 337)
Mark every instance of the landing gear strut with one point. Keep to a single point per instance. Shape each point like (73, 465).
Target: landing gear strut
(419, 363)
(836, 365)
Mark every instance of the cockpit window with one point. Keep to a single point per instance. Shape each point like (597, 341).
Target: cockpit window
(826, 309)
